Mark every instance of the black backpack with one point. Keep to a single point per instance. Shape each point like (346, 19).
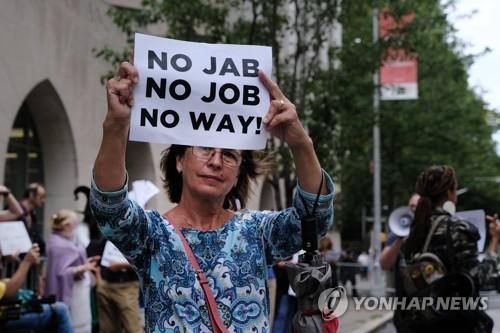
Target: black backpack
(425, 275)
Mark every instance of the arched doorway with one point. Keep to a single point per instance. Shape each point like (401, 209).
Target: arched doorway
(42, 138)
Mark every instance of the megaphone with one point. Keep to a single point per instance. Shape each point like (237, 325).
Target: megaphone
(400, 221)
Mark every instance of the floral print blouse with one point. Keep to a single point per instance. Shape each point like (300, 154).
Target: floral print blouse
(234, 257)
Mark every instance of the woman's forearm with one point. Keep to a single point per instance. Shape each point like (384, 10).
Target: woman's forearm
(307, 167)
(14, 205)
(109, 167)
(17, 279)
(389, 255)
(492, 247)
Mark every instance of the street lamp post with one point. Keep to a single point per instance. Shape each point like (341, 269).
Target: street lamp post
(377, 274)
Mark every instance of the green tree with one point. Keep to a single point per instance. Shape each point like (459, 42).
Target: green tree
(448, 124)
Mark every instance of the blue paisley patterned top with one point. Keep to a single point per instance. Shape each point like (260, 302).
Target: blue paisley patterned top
(233, 256)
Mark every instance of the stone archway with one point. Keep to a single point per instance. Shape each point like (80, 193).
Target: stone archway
(57, 147)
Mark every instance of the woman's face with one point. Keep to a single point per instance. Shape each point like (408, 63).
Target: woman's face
(69, 228)
(209, 173)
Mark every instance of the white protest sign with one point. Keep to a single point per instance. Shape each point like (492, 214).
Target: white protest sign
(143, 191)
(199, 94)
(477, 218)
(13, 238)
(112, 255)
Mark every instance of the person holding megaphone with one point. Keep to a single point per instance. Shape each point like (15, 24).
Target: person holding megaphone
(395, 240)
(392, 255)
(441, 264)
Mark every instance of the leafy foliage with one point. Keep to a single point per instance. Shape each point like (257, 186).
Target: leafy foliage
(448, 124)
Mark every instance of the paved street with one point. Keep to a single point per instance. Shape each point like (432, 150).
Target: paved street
(356, 321)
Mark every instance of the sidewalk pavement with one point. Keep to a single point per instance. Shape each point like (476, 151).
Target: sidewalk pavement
(362, 320)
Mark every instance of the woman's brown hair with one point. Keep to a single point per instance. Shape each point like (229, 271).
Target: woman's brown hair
(432, 185)
(251, 167)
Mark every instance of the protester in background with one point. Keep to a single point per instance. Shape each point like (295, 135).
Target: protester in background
(364, 262)
(51, 314)
(34, 198)
(391, 257)
(93, 241)
(232, 248)
(287, 302)
(391, 253)
(14, 211)
(118, 299)
(348, 270)
(282, 285)
(68, 270)
(454, 242)
(330, 256)
(271, 286)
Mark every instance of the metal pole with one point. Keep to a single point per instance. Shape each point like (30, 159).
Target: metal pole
(377, 274)
(363, 224)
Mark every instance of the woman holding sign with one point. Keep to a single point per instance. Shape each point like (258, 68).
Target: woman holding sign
(227, 292)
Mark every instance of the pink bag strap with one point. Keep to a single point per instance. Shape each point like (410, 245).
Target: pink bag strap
(215, 319)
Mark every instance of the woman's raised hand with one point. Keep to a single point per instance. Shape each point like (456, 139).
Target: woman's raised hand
(282, 120)
(33, 255)
(120, 93)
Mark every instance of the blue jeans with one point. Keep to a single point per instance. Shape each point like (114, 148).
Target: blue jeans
(39, 321)
(284, 317)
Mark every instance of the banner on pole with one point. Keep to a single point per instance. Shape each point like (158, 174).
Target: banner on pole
(399, 70)
(200, 94)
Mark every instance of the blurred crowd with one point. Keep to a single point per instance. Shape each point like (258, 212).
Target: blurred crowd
(61, 284)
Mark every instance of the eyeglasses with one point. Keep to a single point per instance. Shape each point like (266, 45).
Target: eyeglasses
(230, 157)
